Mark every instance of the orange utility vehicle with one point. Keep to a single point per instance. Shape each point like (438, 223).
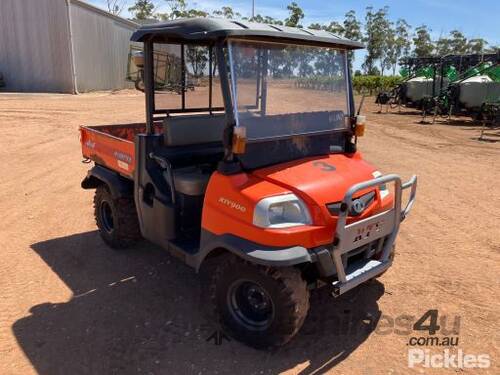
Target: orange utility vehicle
(253, 176)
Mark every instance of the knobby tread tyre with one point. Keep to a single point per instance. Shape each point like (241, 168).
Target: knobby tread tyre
(285, 286)
(126, 229)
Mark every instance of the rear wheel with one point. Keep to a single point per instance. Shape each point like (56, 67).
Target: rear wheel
(116, 219)
(139, 84)
(260, 306)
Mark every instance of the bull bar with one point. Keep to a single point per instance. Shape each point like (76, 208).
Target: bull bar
(382, 227)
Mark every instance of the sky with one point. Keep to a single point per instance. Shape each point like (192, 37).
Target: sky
(478, 18)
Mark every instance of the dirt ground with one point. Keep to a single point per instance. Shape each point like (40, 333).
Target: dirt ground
(69, 305)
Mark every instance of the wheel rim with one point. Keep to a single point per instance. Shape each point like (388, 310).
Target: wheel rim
(250, 305)
(107, 217)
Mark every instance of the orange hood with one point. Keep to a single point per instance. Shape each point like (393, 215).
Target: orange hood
(322, 179)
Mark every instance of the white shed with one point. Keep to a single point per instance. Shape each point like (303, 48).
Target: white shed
(62, 46)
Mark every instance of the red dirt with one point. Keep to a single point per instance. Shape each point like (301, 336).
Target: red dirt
(70, 305)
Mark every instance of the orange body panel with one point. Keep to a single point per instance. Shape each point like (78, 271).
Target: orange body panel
(230, 200)
(112, 145)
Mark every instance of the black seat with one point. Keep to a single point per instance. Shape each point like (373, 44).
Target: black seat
(192, 130)
(191, 181)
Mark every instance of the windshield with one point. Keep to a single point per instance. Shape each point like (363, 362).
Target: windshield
(285, 90)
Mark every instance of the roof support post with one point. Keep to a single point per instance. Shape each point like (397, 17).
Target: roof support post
(183, 78)
(149, 84)
(210, 76)
(228, 105)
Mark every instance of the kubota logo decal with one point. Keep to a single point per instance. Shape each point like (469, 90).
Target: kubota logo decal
(90, 144)
(232, 204)
(326, 167)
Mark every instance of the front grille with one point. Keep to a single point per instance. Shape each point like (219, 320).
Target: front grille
(365, 200)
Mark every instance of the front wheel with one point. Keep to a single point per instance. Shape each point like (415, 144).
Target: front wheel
(260, 306)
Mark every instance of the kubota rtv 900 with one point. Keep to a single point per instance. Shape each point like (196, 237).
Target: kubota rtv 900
(247, 168)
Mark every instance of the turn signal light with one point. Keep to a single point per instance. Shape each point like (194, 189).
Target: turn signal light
(239, 140)
(359, 129)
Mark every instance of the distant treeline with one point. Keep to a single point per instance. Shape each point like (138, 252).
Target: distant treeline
(387, 40)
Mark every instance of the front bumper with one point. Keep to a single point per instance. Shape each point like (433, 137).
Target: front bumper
(377, 231)
(361, 241)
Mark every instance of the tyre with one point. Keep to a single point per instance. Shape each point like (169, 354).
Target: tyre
(116, 219)
(139, 84)
(260, 306)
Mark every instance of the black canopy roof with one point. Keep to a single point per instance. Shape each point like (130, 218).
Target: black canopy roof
(212, 29)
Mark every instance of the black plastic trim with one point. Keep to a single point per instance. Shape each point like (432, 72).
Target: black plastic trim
(251, 251)
(210, 29)
(119, 186)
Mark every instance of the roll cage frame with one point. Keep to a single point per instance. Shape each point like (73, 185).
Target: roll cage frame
(153, 115)
(215, 35)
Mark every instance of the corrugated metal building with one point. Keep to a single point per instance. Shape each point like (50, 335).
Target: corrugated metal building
(62, 46)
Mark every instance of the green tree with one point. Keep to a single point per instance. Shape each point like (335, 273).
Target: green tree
(389, 57)
(397, 44)
(197, 57)
(492, 49)
(422, 42)
(179, 9)
(369, 39)
(376, 26)
(115, 6)
(443, 46)
(142, 10)
(264, 19)
(403, 43)
(477, 45)
(334, 28)
(351, 29)
(296, 14)
(458, 42)
(226, 12)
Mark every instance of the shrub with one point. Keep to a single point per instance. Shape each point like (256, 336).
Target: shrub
(374, 84)
(361, 84)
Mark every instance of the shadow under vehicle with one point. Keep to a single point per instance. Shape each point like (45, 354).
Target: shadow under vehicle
(140, 312)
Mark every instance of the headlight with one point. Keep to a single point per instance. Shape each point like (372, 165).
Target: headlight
(384, 192)
(282, 211)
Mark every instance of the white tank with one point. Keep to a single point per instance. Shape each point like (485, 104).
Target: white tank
(419, 87)
(477, 90)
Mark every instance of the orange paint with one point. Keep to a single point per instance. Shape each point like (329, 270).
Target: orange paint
(317, 181)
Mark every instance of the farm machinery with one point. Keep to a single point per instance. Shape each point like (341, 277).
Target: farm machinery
(475, 93)
(450, 85)
(420, 80)
(253, 180)
(167, 73)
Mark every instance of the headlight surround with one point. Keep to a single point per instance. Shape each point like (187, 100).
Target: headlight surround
(281, 211)
(384, 191)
